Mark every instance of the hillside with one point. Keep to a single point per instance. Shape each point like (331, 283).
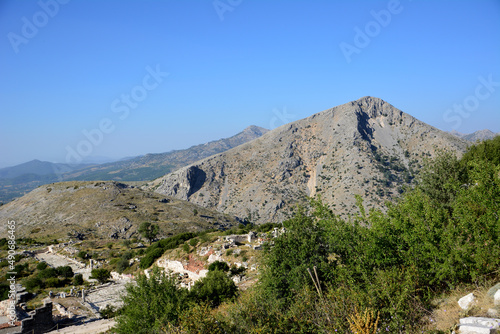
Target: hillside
(103, 210)
(479, 135)
(18, 180)
(365, 147)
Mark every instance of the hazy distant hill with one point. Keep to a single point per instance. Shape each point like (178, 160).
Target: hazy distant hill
(37, 167)
(151, 166)
(18, 180)
(475, 136)
(365, 147)
(103, 210)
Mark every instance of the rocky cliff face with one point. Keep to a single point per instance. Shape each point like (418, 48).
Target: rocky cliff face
(365, 147)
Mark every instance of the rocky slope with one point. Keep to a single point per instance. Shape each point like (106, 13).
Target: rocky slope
(365, 147)
(103, 210)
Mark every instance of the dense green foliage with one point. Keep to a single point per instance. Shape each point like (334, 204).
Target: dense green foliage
(323, 271)
(214, 288)
(157, 249)
(157, 303)
(218, 265)
(100, 274)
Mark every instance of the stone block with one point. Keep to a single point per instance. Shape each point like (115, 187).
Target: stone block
(496, 298)
(488, 322)
(467, 301)
(475, 329)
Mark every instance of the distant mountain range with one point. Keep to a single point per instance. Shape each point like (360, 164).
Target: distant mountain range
(17, 180)
(475, 136)
(365, 147)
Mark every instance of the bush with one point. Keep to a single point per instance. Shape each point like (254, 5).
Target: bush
(52, 282)
(151, 305)
(122, 265)
(214, 288)
(48, 273)
(65, 271)
(82, 254)
(193, 242)
(41, 265)
(100, 274)
(33, 283)
(78, 279)
(148, 260)
(218, 265)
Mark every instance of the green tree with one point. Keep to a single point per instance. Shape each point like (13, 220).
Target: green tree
(78, 279)
(218, 265)
(48, 273)
(41, 265)
(214, 288)
(100, 274)
(149, 231)
(65, 271)
(302, 246)
(151, 304)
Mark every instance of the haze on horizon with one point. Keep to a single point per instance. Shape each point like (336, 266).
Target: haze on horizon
(131, 78)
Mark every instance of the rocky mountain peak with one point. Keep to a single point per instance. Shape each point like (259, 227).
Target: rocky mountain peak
(365, 147)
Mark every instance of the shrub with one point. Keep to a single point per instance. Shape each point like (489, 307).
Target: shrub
(33, 283)
(65, 271)
(48, 273)
(214, 288)
(122, 265)
(100, 274)
(52, 282)
(218, 265)
(148, 260)
(152, 304)
(41, 265)
(82, 254)
(78, 279)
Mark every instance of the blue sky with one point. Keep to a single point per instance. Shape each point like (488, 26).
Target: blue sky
(83, 79)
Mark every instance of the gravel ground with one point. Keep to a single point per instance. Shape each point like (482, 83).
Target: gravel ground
(94, 327)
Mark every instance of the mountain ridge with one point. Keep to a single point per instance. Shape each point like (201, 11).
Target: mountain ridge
(263, 179)
(18, 180)
(479, 135)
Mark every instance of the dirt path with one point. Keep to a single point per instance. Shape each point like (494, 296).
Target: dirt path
(56, 260)
(94, 327)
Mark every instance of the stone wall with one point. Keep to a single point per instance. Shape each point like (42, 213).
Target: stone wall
(40, 320)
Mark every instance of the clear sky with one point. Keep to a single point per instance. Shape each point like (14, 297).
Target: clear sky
(84, 79)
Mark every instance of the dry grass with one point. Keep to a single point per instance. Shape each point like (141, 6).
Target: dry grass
(448, 313)
(99, 209)
(363, 323)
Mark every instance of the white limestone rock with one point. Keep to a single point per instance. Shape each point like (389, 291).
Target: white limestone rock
(466, 302)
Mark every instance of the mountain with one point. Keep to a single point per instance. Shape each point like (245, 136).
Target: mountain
(151, 166)
(37, 167)
(18, 180)
(103, 210)
(476, 136)
(365, 147)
